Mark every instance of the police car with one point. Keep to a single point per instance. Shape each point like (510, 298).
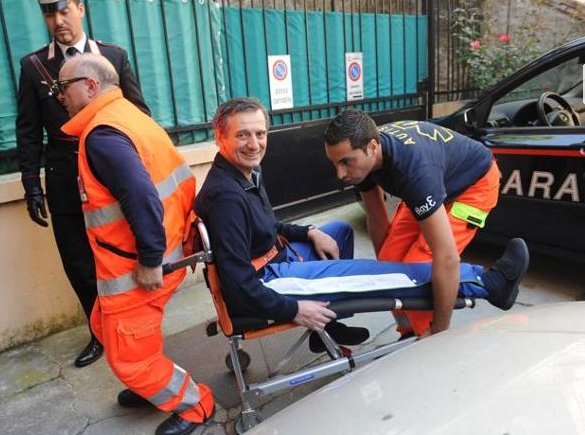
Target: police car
(534, 122)
(518, 373)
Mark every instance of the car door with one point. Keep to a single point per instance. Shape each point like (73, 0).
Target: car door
(543, 167)
(542, 189)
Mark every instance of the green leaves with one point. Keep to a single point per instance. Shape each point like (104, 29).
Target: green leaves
(486, 53)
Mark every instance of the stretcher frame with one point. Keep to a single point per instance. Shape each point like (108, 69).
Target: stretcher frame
(237, 330)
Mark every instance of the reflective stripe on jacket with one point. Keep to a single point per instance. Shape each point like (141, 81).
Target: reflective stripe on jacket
(109, 232)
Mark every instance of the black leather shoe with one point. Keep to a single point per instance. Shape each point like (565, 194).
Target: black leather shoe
(92, 352)
(175, 425)
(503, 278)
(129, 399)
(341, 333)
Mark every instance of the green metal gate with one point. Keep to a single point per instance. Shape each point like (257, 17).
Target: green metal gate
(191, 55)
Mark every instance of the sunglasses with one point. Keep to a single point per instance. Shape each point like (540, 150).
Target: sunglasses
(60, 86)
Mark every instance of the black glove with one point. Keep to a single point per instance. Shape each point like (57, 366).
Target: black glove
(35, 204)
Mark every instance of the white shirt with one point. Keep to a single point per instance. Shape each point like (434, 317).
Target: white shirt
(80, 46)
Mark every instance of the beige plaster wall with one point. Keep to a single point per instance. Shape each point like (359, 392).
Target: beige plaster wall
(36, 298)
(444, 109)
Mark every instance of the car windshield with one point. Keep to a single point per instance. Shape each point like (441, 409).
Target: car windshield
(560, 79)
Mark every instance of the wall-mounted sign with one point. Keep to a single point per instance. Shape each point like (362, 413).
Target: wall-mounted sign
(354, 76)
(281, 94)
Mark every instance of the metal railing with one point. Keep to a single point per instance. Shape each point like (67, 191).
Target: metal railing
(452, 82)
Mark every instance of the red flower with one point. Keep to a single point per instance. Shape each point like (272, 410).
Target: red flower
(475, 44)
(505, 38)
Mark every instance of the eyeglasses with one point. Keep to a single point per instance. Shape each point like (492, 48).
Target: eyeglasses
(60, 86)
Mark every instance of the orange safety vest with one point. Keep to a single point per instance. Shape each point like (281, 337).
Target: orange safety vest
(110, 235)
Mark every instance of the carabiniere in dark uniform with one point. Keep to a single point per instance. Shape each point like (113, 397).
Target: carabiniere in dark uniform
(38, 109)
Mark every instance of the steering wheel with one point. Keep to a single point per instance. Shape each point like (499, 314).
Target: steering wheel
(553, 110)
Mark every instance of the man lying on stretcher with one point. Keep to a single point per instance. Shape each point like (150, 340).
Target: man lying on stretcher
(285, 272)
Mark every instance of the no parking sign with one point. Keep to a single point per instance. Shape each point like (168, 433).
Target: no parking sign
(354, 76)
(281, 96)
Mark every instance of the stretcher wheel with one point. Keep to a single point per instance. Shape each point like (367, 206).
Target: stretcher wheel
(243, 357)
(211, 329)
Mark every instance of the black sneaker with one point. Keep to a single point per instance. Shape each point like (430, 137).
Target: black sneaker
(129, 399)
(503, 278)
(341, 333)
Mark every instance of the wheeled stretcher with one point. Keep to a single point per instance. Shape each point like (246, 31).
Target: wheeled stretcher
(238, 329)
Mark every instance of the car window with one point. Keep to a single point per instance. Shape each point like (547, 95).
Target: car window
(518, 107)
(560, 79)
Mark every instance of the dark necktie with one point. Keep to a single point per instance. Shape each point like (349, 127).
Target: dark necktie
(72, 51)
(256, 179)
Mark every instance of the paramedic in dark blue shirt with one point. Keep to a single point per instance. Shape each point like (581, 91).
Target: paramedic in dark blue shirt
(448, 183)
(277, 286)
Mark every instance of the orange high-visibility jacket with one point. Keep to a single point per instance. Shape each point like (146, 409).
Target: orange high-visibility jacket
(104, 220)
